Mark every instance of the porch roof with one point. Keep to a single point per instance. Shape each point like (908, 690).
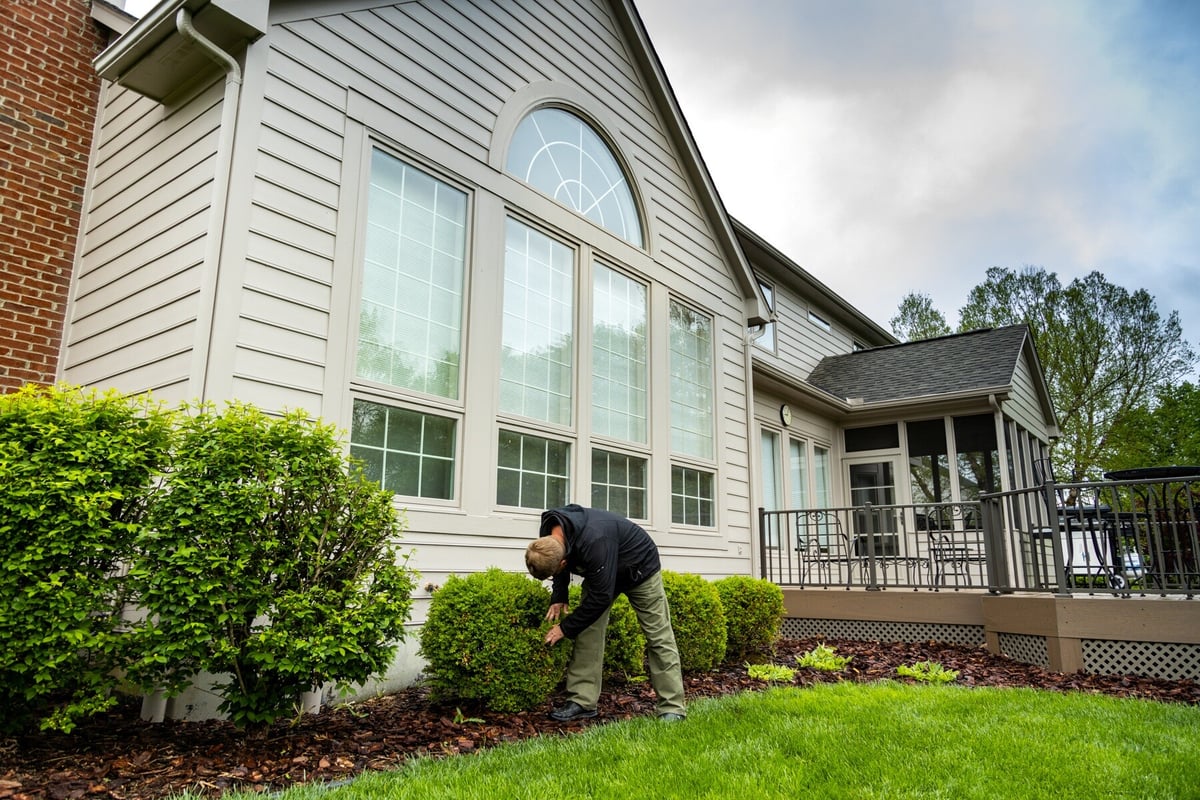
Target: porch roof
(983, 360)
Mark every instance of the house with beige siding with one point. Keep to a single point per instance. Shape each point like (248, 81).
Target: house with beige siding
(478, 235)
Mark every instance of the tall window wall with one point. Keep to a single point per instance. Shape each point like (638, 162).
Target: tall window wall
(574, 401)
(409, 340)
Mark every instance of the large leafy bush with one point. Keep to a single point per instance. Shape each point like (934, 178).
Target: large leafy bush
(269, 561)
(483, 641)
(624, 644)
(698, 620)
(753, 614)
(76, 470)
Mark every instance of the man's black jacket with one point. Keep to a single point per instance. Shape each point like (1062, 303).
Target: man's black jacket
(612, 554)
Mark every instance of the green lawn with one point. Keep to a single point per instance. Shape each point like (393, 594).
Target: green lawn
(841, 740)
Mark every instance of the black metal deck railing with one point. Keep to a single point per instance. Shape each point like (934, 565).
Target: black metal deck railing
(1121, 537)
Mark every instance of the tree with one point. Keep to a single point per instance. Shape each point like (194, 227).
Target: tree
(1166, 433)
(918, 319)
(1106, 351)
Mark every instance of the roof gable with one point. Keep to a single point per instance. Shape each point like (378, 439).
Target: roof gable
(975, 362)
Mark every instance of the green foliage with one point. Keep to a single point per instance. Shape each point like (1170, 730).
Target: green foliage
(771, 673)
(624, 644)
(916, 318)
(1105, 350)
(76, 469)
(824, 658)
(483, 641)
(928, 672)
(1164, 433)
(268, 560)
(753, 614)
(697, 619)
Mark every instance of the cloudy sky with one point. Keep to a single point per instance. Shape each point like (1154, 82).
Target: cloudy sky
(891, 146)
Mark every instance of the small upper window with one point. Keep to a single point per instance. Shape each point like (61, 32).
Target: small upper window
(558, 153)
(819, 321)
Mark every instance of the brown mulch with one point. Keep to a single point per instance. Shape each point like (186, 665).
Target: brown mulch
(118, 756)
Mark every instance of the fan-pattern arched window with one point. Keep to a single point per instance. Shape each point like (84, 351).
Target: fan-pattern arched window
(558, 153)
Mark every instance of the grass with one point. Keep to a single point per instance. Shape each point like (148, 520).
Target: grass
(843, 740)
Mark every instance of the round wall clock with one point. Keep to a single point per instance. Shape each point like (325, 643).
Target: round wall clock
(785, 414)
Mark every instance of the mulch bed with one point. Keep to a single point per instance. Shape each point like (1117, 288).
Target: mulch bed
(118, 756)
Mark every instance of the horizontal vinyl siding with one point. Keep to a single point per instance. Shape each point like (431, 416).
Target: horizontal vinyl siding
(281, 345)
(446, 68)
(133, 316)
(799, 342)
(1024, 405)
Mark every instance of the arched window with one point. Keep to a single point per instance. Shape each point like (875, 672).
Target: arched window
(558, 153)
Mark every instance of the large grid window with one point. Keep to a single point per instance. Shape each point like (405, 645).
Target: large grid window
(533, 472)
(407, 452)
(619, 357)
(691, 497)
(619, 483)
(536, 359)
(558, 153)
(691, 383)
(410, 317)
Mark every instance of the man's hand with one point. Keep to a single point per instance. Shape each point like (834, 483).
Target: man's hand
(556, 611)
(554, 635)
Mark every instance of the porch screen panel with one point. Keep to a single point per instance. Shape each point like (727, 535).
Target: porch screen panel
(929, 470)
(537, 343)
(977, 455)
(410, 315)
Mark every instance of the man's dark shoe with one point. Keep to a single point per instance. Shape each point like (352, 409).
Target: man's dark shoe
(669, 717)
(571, 712)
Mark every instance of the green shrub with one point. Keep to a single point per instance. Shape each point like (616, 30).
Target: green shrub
(624, 644)
(76, 469)
(928, 672)
(268, 560)
(483, 641)
(698, 620)
(824, 658)
(753, 615)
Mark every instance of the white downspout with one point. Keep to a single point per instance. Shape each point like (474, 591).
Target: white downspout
(222, 174)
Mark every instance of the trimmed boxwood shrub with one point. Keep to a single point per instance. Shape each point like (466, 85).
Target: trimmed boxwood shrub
(753, 615)
(698, 620)
(270, 560)
(624, 644)
(76, 470)
(483, 641)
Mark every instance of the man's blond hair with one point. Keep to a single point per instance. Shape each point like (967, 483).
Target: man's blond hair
(543, 555)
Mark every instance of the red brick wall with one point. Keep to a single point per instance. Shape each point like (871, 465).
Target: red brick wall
(48, 100)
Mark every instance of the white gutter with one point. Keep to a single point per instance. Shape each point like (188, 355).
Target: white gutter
(222, 174)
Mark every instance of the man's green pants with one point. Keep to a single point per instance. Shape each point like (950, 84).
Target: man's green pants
(586, 670)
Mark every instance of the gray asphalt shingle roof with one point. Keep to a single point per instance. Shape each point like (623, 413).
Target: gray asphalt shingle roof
(982, 359)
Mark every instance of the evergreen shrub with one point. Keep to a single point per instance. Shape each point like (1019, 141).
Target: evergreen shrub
(76, 472)
(753, 615)
(698, 620)
(483, 641)
(267, 559)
